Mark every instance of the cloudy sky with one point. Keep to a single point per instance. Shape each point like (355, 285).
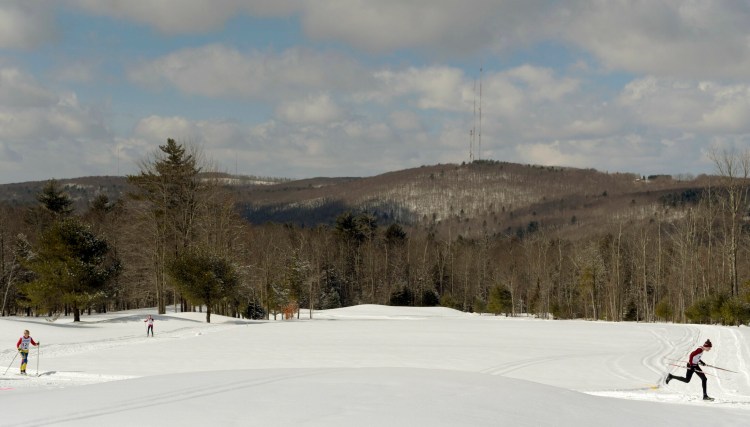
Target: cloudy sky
(302, 88)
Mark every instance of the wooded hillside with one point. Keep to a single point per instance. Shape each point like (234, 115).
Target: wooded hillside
(487, 236)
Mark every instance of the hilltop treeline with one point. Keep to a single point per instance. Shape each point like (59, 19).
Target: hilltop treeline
(181, 236)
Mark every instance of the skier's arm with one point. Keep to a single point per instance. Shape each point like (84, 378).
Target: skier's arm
(18, 344)
(33, 342)
(693, 355)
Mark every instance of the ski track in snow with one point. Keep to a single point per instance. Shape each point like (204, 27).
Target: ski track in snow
(158, 399)
(56, 350)
(726, 387)
(59, 379)
(508, 367)
(742, 356)
(54, 379)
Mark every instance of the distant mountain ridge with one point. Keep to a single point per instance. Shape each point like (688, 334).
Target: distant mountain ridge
(481, 197)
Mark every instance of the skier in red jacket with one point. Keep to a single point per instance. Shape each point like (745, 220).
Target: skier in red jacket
(23, 347)
(694, 366)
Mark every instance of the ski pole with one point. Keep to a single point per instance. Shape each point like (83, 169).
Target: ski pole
(684, 367)
(11, 362)
(716, 367)
(38, 356)
(710, 366)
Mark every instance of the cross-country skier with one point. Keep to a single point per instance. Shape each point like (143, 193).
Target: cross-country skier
(694, 367)
(23, 347)
(149, 325)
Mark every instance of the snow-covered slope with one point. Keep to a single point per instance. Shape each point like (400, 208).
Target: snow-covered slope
(367, 365)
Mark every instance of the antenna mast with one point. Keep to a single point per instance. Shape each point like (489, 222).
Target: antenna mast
(472, 131)
(479, 149)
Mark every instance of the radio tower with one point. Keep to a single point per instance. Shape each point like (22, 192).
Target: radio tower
(472, 131)
(479, 148)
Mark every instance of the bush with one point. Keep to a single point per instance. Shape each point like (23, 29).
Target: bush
(556, 310)
(631, 313)
(447, 300)
(734, 311)
(664, 310)
(480, 306)
(254, 311)
(402, 297)
(500, 300)
(719, 308)
(430, 298)
(329, 299)
(699, 312)
(716, 302)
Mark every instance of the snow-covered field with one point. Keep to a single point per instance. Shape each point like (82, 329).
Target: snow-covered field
(368, 366)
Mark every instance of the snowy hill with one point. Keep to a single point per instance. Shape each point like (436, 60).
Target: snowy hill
(368, 365)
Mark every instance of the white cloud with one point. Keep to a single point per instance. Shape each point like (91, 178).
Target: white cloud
(313, 109)
(77, 71)
(626, 152)
(185, 16)
(46, 133)
(730, 110)
(33, 112)
(9, 155)
(220, 71)
(439, 88)
(355, 147)
(26, 24)
(440, 26)
(406, 120)
(695, 39)
(20, 90)
(542, 84)
(668, 38)
(158, 129)
(448, 89)
(707, 107)
(551, 154)
(588, 128)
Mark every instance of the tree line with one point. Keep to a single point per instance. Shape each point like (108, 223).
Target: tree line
(178, 240)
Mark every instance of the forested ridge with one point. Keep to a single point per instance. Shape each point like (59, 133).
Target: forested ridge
(487, 236)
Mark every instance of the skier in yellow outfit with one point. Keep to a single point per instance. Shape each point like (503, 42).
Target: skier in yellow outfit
(23, 347)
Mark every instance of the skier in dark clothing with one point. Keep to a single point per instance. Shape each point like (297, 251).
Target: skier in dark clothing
(694, 367)
(149, 325)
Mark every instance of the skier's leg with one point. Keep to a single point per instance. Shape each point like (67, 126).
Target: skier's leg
(24, 360)
(704, 381)
(686, 378)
